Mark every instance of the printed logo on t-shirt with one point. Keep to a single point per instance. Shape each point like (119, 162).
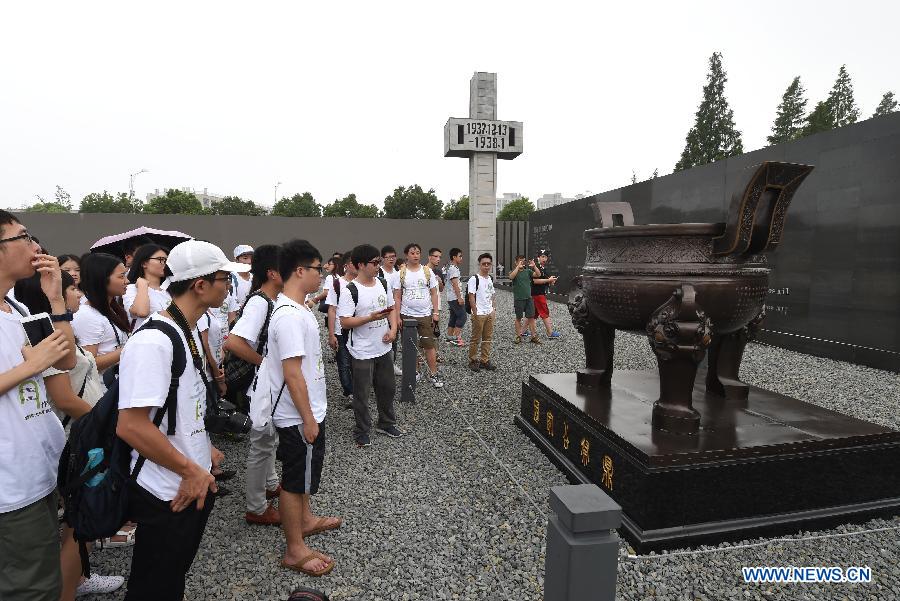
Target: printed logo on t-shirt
(30, 392)
(199, 397)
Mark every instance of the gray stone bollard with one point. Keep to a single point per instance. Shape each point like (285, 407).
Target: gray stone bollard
(408, 339)
(582, 546)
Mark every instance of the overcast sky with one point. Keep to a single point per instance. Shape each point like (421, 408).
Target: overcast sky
(341, 97)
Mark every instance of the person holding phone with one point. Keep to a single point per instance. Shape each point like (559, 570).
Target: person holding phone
(29, 529)
(539, 283)
(368, 315)
(73, 393)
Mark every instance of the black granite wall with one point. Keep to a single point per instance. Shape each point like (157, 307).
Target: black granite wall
(835, 283)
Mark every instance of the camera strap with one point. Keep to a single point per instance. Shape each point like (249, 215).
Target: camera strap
(179, 318)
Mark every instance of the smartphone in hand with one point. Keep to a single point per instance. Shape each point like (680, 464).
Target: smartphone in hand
(37, 327)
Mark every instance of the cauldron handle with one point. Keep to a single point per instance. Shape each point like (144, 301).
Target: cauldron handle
(758, 208)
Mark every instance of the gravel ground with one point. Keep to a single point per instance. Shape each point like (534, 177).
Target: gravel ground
(457, 509)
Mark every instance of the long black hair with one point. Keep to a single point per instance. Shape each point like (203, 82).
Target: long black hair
(265, 258)
(141, 256)
(30, 293)
(95, 271)
(65, 258)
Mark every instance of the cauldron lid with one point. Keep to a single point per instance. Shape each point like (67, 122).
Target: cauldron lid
(657, 230)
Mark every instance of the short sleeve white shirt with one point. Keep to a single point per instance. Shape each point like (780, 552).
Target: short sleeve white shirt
(159, 301)
(366, 341)
(145, 372)
(229, 305)
(31, 437)
(294, 332)
(242, 289)
(249, 326)
(332, 301)
(209, 324)
(452, 272)
(91, 327)
(415, 299)
(484, 296)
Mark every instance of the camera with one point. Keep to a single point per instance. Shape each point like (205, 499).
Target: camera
(223, 417)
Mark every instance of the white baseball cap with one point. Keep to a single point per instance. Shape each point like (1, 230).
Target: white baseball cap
(242, 249)
(194, 259)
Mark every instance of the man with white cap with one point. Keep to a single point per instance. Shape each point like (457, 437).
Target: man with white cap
(169, 498)
(240, 283)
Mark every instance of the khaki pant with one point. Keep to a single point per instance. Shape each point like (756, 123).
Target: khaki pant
(482, 332)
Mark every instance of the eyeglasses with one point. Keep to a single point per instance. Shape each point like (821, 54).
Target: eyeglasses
(24, 236)
(162, 260)
(375, 262)
(315, 267)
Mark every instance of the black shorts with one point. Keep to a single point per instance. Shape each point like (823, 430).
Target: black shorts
(301, 463)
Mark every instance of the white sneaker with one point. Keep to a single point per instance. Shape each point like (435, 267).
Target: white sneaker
(98, 584)
(397, 370)
(436, 381)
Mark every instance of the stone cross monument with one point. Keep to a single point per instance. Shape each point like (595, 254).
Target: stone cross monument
(482, 139)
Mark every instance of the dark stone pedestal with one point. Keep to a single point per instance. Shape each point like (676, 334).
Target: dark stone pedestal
(763, 466)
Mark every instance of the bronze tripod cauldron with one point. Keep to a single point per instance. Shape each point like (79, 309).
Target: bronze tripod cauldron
(689, 286)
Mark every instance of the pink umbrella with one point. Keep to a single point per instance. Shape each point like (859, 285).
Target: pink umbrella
(114, 244)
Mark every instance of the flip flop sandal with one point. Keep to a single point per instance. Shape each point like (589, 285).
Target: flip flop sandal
(298, 567)
(322, 527)
(112, 544)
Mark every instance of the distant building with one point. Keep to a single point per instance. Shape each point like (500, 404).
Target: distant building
(552, 200)
(507, 198)
(206, 199)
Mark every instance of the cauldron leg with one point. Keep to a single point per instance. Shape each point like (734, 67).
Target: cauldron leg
(679, 334)
(599, 342)
(725, 355)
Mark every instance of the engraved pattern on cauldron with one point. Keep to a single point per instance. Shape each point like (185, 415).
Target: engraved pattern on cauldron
(675, 249)
(617, 299)
(748, 301)
(747, 212)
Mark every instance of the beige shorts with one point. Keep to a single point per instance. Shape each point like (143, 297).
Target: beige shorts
(425, 330)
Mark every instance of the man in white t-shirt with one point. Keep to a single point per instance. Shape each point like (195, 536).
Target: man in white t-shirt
(372, 323)
(248, 341)
(345, 272)
(169, 499)
(480, 290)
(240, 283)
(415, 289)
(296, 371)
(455, 298)
(386, 272)
(31, 434)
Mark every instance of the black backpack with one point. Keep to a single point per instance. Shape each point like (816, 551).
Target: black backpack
(239, 373)
(477, 280)
(97, 509)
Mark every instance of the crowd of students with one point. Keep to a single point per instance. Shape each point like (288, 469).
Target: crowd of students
(250, 333)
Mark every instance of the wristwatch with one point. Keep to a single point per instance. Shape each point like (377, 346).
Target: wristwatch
(67, 316)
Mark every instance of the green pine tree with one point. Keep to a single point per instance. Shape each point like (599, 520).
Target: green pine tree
(790, 116)
(819, 120)
(843, 108)
(713, 136)
(887, 105)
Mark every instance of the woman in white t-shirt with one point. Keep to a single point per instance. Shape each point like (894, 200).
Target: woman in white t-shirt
(101, 325)
(145, 295)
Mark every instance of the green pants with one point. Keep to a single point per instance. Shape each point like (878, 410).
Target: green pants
(29, 548)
